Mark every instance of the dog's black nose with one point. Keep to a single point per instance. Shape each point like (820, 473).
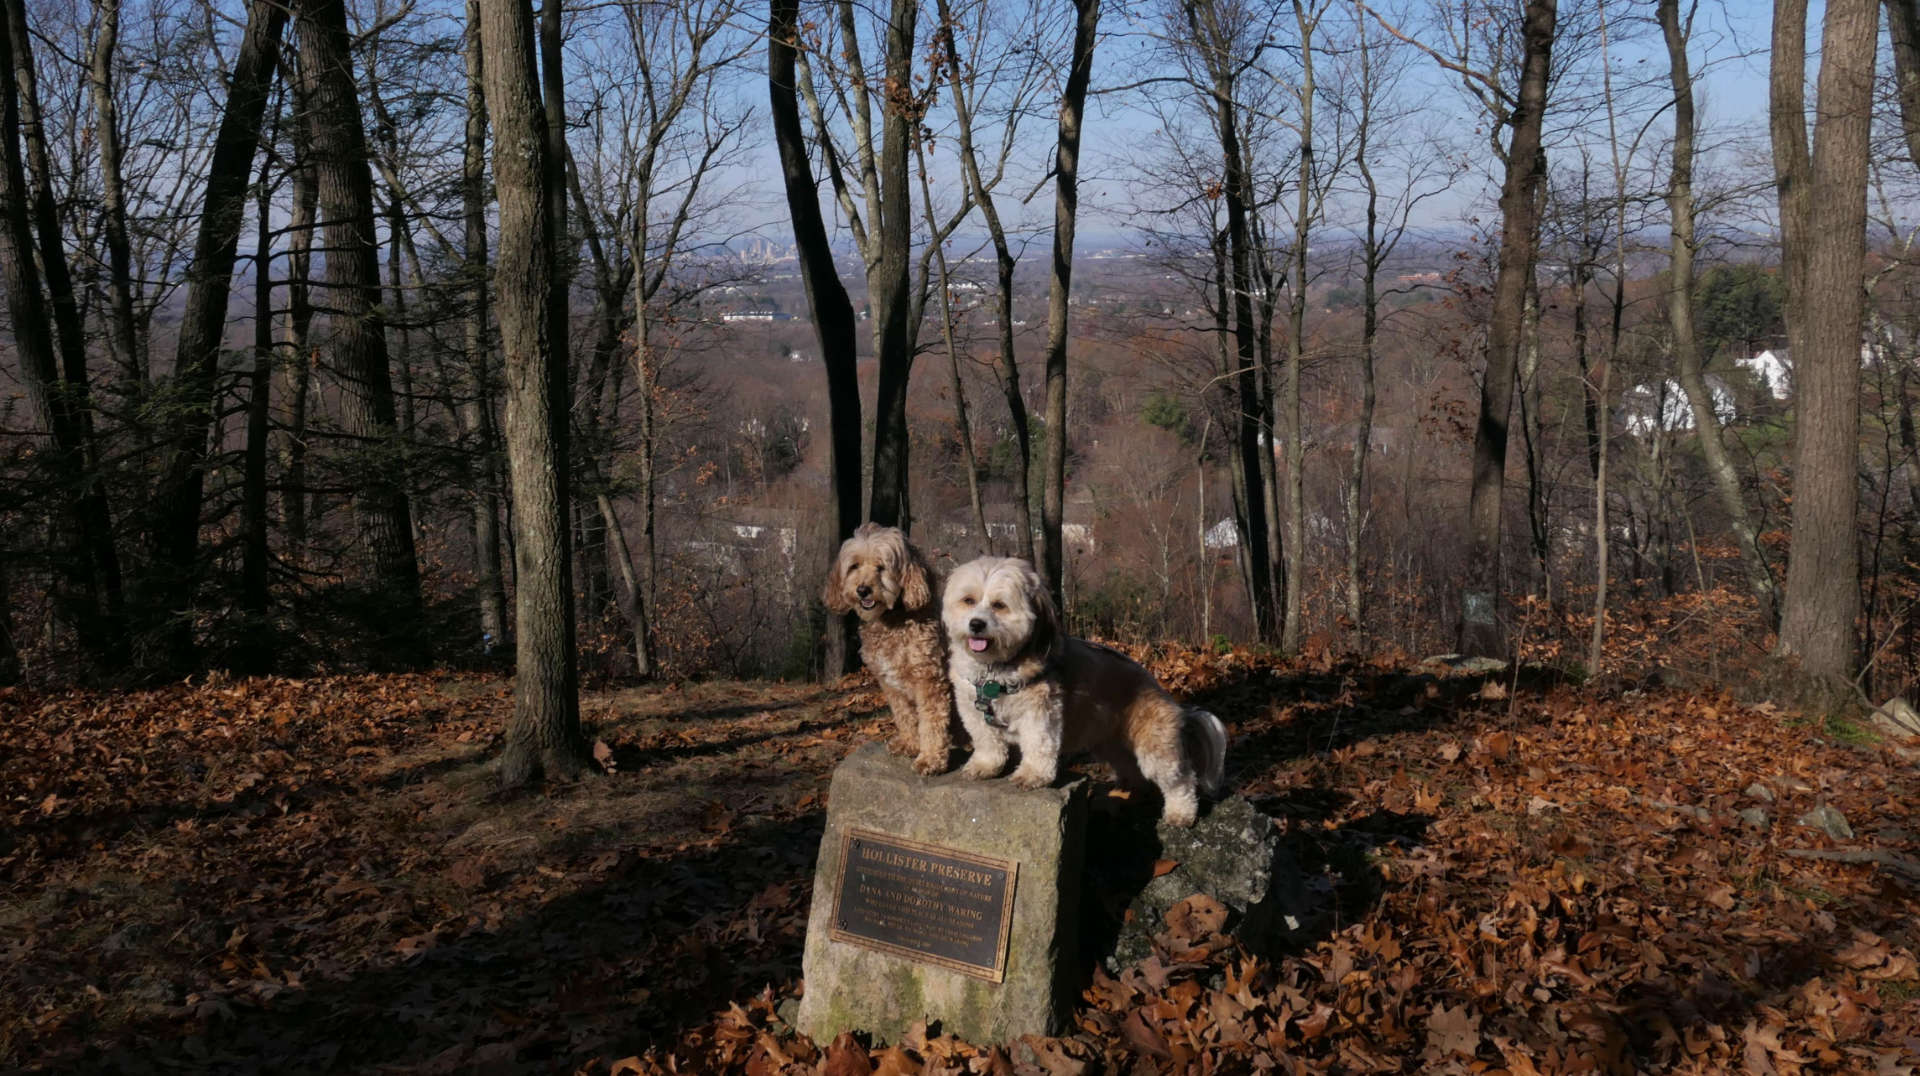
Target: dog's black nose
(863, 591)
(976, 625)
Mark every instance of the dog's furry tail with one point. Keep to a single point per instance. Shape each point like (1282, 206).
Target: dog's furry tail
(1206, 744)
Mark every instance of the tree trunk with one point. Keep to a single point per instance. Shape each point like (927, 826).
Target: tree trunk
(1066, 208)
(253, 501)
(1903, 32)
(1686, 351)
(345, 177)
(543, 736)
(296, 366)
(202, 321)
(1371, 258)
(124, 331)
(477, 408)
(1482, 632)
(826, 298)
(86, 566)
(1008, 368)
(889, 284)
(1596, 644)
(961, 421)
(10, 667)
(55, 274)
(1236, 193)
(1823, 230)
(1293, 604)
(1532, 436)
(96, 533)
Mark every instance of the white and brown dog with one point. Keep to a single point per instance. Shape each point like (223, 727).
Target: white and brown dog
(1018, 678)
(882, 577)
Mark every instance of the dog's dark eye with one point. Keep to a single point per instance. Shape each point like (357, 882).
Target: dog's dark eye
(967, 600)
(1002, 606)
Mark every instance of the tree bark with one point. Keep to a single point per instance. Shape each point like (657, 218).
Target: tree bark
(344, 172)
(11, 668)
(961, 421)
(1008, 368)
(296, 364)
(1213, 41)
(889, 286)
(124, 331)
(826, 297)
(1482, 632)
(1371, 256)
(477, 409)
(1066, 209)
(1823, 208)
(543, 737)
(1293, 606)
(55, 273)
(1686, 350)
(1903, 32)
(203, 318)
(253, 501)
(86, 565)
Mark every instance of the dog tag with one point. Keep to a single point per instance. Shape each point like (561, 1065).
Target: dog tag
(983, 696)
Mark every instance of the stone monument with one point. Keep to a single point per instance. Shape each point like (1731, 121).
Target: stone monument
(945, 900)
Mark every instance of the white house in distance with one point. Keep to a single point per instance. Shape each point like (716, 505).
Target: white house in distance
(1663, 406)
(1773, 368)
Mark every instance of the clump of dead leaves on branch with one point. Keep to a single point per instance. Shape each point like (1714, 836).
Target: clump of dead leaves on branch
(1509, 875)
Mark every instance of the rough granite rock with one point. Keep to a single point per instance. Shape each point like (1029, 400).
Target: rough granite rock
(1754, 817)
(1829, 821)
(850, 987)
(1138, 869)
(1897, 719)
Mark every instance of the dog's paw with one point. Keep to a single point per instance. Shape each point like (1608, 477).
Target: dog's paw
(928, 765)
(898, 746)
(1024, 778)
(981, 769)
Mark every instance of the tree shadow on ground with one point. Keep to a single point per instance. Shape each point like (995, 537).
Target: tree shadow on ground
(650, 946)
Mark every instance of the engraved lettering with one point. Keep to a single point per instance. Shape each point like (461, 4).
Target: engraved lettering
(924, 902)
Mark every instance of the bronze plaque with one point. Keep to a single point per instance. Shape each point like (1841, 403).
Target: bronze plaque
(924, 902)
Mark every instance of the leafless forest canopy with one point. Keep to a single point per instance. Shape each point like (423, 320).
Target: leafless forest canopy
(1412, 327)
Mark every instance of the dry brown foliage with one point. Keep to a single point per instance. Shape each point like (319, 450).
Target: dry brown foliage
(1518, 875)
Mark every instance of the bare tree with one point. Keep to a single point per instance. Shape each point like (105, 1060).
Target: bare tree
(884, 233)
(86, 565)
(1823, 208)
(1217, 36)
(962, 422)
(1066, 210)
(125, 333)
(341, 159)
(1425, 172)
(1686, 349)
(175, 568)
(1481, 631)
(826, 297)
(543, 736)
(477, 410)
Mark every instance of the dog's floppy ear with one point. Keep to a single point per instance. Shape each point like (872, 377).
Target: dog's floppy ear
(916, 578)
(1047, 632)
(834, 594)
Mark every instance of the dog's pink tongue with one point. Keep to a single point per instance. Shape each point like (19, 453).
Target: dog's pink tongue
(976, 645)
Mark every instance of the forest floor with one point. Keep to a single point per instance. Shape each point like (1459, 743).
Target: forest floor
(1524, 875)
